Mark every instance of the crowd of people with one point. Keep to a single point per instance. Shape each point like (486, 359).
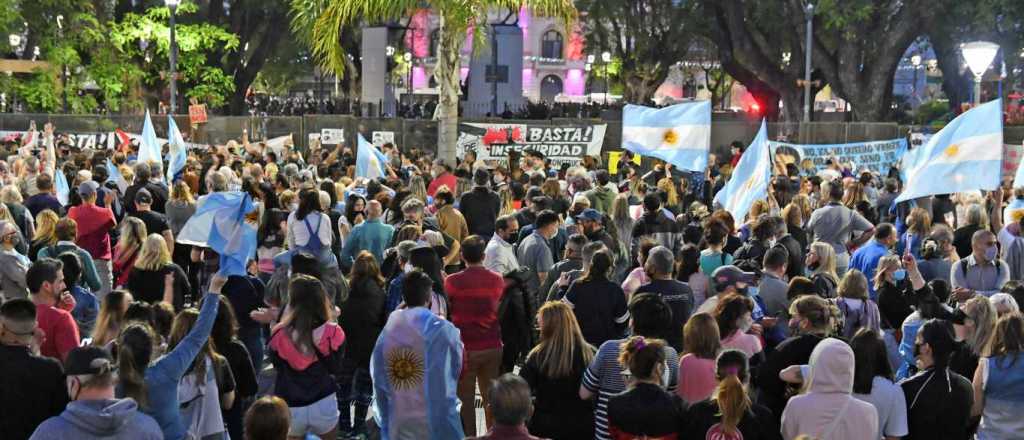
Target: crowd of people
(567, 303)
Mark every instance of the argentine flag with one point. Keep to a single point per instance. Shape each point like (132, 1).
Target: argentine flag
(176, 151)
(679, 134)
(965, 155)
(415, 368)
(749, 181)
(149, 148)
(369, 160)
(61, 183)
(219, 224)
(116, 177)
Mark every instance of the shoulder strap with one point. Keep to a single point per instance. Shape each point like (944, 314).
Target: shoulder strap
(722, 255)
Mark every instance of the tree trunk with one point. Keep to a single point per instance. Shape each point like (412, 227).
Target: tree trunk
(449, 64)
(955, 85)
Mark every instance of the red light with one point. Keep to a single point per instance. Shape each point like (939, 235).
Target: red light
(755, 107)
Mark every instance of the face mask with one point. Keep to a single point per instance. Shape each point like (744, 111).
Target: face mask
(794, 326)
(512, 235)
(407, 268)
(814, 265)
(293, 207)
(742, 290)
(745, 323)
(899, 275)
(990, 253)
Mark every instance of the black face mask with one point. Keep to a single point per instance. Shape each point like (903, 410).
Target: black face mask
(814, 265)
(742, 290)
(511, 235)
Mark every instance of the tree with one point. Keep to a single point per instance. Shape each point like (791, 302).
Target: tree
(646, 36)
(146, 37)
(457, 19)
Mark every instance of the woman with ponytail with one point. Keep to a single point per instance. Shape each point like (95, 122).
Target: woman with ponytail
(729, 414)
(645, 410)
(599, 304)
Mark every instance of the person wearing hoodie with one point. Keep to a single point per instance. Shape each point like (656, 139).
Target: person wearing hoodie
(94, 412)
(828, 410)
(305, 348)
(601, 196)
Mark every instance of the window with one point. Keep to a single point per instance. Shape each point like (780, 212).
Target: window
(434, 36)
(552, 45)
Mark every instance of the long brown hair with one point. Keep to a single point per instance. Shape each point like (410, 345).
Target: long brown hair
(732, 371)
(560, 340)
(1009, 339)
(308, 308)
(366, 267)
(111, 317)
(600, 266)
(183, 323)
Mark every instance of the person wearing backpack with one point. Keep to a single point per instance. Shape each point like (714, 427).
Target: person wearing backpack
(982, 272)
(309, 229)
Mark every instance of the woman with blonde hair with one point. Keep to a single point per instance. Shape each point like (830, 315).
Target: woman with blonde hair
(110, 320)
(418, 190)
(46, 233)
(20, 245)
(133, 233)
(854, 306)
(821, 261)
(803, 202)
(854, 195)
(155, 278)
(974, 324)
(554, 369)
(998, 381)
(179, 209)
(672, 200)
(919, 226)
(507, 206)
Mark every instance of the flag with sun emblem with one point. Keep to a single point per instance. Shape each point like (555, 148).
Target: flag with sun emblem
(749, 181)
(415, 368)
(370, 161)
(965, 155)
(678, 134)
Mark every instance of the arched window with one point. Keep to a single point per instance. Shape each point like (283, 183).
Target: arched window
(434, 37)
(550, 87)
(552, 45)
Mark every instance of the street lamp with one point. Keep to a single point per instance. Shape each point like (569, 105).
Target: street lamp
(173, 6)
(606, 57)
(408, 65)
(979, 56)
(915, 61)
(809, 14)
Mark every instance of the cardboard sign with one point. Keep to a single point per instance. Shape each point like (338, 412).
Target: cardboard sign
(197, 114)
(382, 137)
(332, 136)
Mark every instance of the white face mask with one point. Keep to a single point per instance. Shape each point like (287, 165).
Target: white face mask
(293, 207)
(407, 268)
(745, 323)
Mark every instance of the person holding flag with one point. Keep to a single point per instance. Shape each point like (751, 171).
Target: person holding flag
(415, 368)
(750, 179)
(176, 155)
(370, 162)
(149, 147)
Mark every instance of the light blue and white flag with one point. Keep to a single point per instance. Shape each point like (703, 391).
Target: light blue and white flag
(679, 134)
(370, 162)
(61, 183)
(116, 177)
(965, 155)
(415, 368)
(149, 147)
(749, 181)
(219, 224)
(176, 151)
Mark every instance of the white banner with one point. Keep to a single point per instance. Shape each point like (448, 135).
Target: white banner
(561, 144)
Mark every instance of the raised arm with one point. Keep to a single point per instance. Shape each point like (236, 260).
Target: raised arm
(177, 361)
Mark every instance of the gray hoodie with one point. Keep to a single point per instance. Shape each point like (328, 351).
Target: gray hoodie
(100, 419)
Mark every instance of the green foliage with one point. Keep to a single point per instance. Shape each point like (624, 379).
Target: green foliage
(931, 112)
(145, 38)
(38, 92)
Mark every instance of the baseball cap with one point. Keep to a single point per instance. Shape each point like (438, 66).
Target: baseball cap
(88, 188)
(589, 214)
(88, 360)
(143, 196)
(729, 275)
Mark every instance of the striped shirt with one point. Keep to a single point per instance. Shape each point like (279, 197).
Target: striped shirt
(604, 378)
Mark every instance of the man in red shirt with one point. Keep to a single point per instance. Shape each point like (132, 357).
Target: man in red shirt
(442, 177)
(473, 296)
(45, 281)
(94, 225)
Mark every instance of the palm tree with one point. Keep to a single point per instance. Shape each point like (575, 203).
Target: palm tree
(457, 18)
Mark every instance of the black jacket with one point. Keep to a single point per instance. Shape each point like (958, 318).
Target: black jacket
(645, 410)
(480, 207)
(362, 317)
(32, 389)
(757, 424)
(793, 351)
(938, 405)
(795, 264)
(516, 311)
(559, 413)
(659, 228)
(750, 256)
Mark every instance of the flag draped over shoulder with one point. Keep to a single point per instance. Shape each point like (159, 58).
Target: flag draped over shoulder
(415, 369)
(60, 182)
(176, 151)
(219, 224)
(149, 148)
(678, 134)
(749, 181)
(370, 162)
(965, 155)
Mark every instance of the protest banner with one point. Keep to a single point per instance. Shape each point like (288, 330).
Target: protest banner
(379, 138)
(876, 156)
(97, 141)
(197, 114)
(332, 136)
(561, 144)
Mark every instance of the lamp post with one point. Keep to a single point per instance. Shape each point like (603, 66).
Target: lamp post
(390, 52)
(173, 6)
(408, 84)
(915, 61)
(64, 70)
(809, 14)
(606, 57)
(979, 56)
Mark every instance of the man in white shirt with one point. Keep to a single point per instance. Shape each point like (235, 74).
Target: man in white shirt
(500, 255)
